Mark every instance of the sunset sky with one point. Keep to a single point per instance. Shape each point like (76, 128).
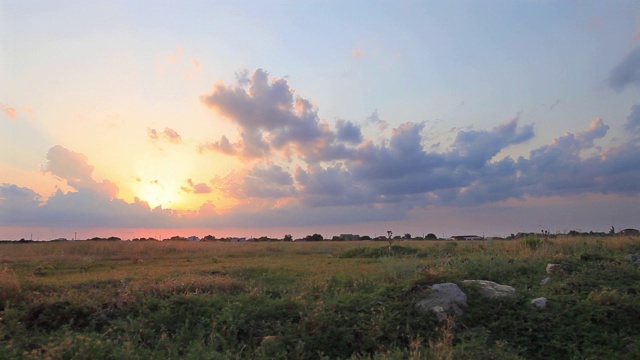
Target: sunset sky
(252, 118)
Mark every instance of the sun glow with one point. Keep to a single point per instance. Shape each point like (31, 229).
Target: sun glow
(155, 194)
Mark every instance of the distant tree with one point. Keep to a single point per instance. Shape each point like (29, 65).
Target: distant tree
(612, 231)
(209, 238)
(390, 238)
(266, 239)
(337, 238)
(407, 236)
(366, 237)
(314, 237)
(177, 238)
(431, 236)
(288, 237)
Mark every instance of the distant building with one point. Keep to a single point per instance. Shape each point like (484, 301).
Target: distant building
(349, 237)
(466, 237)
(632, 232)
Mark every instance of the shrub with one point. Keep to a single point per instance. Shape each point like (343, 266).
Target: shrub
(531, 242)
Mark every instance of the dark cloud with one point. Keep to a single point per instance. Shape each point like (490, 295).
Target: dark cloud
(476, 148)
(563, 168)
(632, 125)
(344, 169)
(348, 132)
(627, 72)
(271, 118)
(331, 186)
(17, 203)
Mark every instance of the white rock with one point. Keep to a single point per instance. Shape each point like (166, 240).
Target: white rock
(444, 298)
(540, 303)
(554, 268)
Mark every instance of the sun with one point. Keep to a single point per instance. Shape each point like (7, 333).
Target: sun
(156, 194)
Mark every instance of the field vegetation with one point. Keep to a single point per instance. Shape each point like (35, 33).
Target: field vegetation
(316, 300)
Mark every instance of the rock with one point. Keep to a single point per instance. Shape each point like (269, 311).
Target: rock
(545, 281)
(441, 315)
(445, 298)
(491, 289)
(555, 269)
(540, 303)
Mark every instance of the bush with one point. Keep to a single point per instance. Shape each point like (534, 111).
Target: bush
(531, 242)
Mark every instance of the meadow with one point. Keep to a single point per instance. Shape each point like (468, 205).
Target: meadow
(316, 300)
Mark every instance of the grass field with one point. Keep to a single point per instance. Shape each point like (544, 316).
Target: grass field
(315, 300)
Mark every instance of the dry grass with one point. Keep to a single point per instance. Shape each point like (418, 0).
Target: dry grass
(210, 267)
(9, 284)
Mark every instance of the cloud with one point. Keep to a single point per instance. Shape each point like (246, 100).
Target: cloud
(194, 188)
(168, 135)
(195, 67)
(374, 118)
(222, 146)
(92, 204)
(17, 203)
(76, 171)
(348, 132)
(562, 169)
(632, 125)
(476, 148)
(263, 181)
(10, 112)
(270, 118)
(331, 186)
(301, 170)
(627, 72)
(339, 167)
(174, 57)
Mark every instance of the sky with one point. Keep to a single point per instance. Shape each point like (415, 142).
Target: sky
(265, 118)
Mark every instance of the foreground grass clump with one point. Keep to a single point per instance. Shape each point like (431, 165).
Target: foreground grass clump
(328, 300)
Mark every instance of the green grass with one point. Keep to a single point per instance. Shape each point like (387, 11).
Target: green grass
(328, 300)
